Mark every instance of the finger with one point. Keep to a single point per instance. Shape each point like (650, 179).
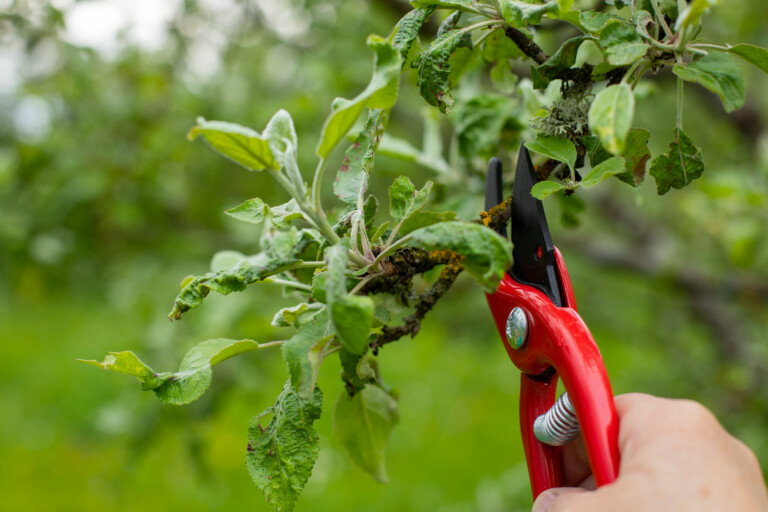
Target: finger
(556, 499)
(575, 463)
(589, 484)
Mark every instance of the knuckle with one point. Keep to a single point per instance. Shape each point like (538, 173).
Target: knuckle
(748, 457)
(694, 412)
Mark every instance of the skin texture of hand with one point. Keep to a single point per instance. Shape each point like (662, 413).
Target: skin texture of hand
(675, 456)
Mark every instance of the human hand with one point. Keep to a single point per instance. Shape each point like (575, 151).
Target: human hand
(675, 456)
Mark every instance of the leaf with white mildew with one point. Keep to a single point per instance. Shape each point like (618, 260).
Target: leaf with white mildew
(351, 315)
(381, 93)
(194, 375)
(485, 254)
(281, 456)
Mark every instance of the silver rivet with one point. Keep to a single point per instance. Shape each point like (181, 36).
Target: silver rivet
(517, 328)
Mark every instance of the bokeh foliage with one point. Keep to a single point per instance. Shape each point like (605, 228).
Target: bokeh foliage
(101, 214)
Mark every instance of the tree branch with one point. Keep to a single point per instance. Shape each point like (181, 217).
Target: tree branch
(400, 268)
(526, 45)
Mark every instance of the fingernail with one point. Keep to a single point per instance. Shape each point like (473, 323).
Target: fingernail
(544, 500)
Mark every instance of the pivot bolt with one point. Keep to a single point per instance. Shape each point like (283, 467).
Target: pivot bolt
(517, 328)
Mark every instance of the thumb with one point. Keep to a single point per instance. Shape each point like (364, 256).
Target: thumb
(555, 499)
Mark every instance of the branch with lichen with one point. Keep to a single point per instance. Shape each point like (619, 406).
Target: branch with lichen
(400, 268)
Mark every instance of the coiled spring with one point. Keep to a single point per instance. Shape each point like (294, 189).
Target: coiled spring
(558, 426)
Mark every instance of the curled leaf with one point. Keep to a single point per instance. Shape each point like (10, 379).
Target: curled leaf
(234, 279)
(679, 166)
(381, 93)
(194, 375)
(281, 457)
(485, 254)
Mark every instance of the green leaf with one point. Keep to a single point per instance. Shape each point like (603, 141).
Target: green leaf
(622, 44)
(752, 54)
(296, 316)
(435, 72)
(238, 143)
(478, 123)
(422, 219)
(539, 81)
(351, 315)
(283, 216)
(280, 458)
(485, 254)
(303, 350)
(564, 58)
(253, 211)
(610, 116)
(459, 5)
(544, 189)
(595, 150)
(404, 200)
(349, 375)
(719, 73)
(498, 47)
(352, 179)
(281, 135)
(362, 424)
(379, 231)
(194, 375)
(519, 14)
(234, 279)
(691, 15)
(601, 172)
(593, 22)
(406, 32)
(449, 23)
(381, 93)
(280, 244)
(557, 148)
(679, 166)
(636, 155)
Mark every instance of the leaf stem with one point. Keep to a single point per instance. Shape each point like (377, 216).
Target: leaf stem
(309, 264)
(359, 286)
(391, 248)
(316, 182)
(679, 104)
(660, 17)
(270, 344)
(707, 45)
(646, 66)
(497, 6)
(632, 70)
(316, 215)
(481, 24)
(288, 282)
(482, 37)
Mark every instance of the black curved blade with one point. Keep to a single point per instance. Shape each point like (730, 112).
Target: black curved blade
(533, 252)
(493, 192)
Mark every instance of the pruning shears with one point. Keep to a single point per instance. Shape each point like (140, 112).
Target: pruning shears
(535, 311)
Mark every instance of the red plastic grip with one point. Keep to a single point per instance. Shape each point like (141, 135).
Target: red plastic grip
(558, 338)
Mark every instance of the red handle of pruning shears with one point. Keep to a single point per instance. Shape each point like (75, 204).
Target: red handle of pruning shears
(558, 343)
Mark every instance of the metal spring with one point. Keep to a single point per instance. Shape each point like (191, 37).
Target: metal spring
(559, 425)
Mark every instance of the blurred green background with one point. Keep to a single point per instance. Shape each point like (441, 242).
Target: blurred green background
(105, 207)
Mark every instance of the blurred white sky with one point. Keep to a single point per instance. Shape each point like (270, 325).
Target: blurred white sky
(108, 26)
